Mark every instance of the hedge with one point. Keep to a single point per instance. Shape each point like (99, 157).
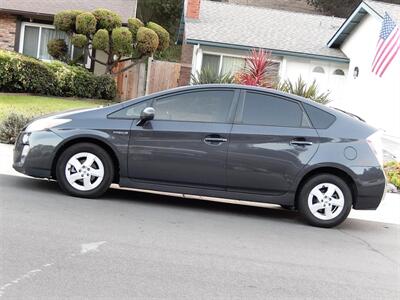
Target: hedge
(19, 73)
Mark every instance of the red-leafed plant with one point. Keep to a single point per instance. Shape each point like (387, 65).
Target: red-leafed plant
(259, 70)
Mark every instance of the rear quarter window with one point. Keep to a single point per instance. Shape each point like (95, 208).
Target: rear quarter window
(320, 119)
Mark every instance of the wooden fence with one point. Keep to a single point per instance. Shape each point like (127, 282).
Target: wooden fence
(162, 75)
(134, 82)
(131, 83)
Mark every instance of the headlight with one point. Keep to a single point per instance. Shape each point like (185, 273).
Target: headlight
(375, 143)
(46, 123)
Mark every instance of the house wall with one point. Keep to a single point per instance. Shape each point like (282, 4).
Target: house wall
(376, 99)
(290, 68)
(327, 82)
(8, 28)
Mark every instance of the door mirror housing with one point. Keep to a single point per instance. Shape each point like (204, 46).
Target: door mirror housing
(147, 114)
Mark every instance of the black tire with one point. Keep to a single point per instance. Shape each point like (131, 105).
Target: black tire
(93, 149)
(307, 188)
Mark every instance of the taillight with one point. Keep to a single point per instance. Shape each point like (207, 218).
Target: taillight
(375, 143)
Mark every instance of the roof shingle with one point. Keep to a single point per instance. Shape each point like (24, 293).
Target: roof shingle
(264, 28)
(126, 8)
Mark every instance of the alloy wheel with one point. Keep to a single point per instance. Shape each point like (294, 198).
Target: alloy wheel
(84, 171)
(326, 201)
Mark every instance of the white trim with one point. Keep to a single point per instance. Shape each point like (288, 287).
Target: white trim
(349, 20)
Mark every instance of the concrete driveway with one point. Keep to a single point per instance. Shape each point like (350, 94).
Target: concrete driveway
(134, 245)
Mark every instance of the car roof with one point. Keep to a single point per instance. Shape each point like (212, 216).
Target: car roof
(241, 87)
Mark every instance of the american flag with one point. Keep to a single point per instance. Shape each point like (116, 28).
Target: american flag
(388, 46)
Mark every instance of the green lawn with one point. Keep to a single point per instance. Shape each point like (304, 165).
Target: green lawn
(39, 105)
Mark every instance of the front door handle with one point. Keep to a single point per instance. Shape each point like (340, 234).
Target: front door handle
(300, 143)
(215, 140)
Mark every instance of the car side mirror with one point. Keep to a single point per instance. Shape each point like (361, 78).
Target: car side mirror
(147, 114)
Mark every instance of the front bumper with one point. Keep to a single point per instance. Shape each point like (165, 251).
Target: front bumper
(34, 153)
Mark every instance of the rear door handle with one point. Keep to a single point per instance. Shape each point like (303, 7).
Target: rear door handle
(213, 140)
(300, 143)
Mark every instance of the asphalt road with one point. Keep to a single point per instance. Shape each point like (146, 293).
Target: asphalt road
(136, 245)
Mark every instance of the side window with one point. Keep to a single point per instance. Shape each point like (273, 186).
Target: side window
(263, 109)
(199, 106)
(130, 112)
(319, 118)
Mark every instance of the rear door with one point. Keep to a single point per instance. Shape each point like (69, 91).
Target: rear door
(187, 142)
(270, 142)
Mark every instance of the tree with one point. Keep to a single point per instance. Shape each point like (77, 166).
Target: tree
(167, 13)
(340, 8)
(102, 30)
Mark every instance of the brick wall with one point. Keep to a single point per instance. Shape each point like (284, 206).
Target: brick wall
(193, 9)
(186, 64)
(8, 25)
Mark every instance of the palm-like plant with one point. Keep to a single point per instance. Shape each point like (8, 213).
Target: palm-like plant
(259, 70)
(206, 76)
(301, 88)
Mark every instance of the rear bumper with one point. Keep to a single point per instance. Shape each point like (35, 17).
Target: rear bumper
(370, 187)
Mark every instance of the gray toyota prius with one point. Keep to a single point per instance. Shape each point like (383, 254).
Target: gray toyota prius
(221, 142)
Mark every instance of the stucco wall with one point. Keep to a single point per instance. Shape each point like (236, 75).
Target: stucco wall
(375, 99)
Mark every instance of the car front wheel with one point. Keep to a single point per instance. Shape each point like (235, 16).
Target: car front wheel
(325, 200)
(85, 170)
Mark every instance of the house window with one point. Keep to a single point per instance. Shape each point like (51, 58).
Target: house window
(211, 62)
(232, 64)
(339, 72)
(319, 69)
(34, 39)
(225, 64)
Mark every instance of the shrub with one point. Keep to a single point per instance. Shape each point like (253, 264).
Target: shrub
(107, 19)
(392, 170)
(134, 25)
(11, 126)
(74, 81)
(207, 76)
(19, 73)
(86, 23)
(301, 88)
(147, 40)
(58, 49)
(106, 87)
(121, 38)
(79, 40)
(163, 35)
(101, 39)
(66, 20)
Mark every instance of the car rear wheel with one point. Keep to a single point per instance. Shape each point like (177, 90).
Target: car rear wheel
(325, 200)
(85, 170)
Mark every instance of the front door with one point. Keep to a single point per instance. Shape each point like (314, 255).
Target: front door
(270, 142)
(187, 142)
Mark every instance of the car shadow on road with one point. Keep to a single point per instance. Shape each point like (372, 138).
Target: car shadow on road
(272, 212)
